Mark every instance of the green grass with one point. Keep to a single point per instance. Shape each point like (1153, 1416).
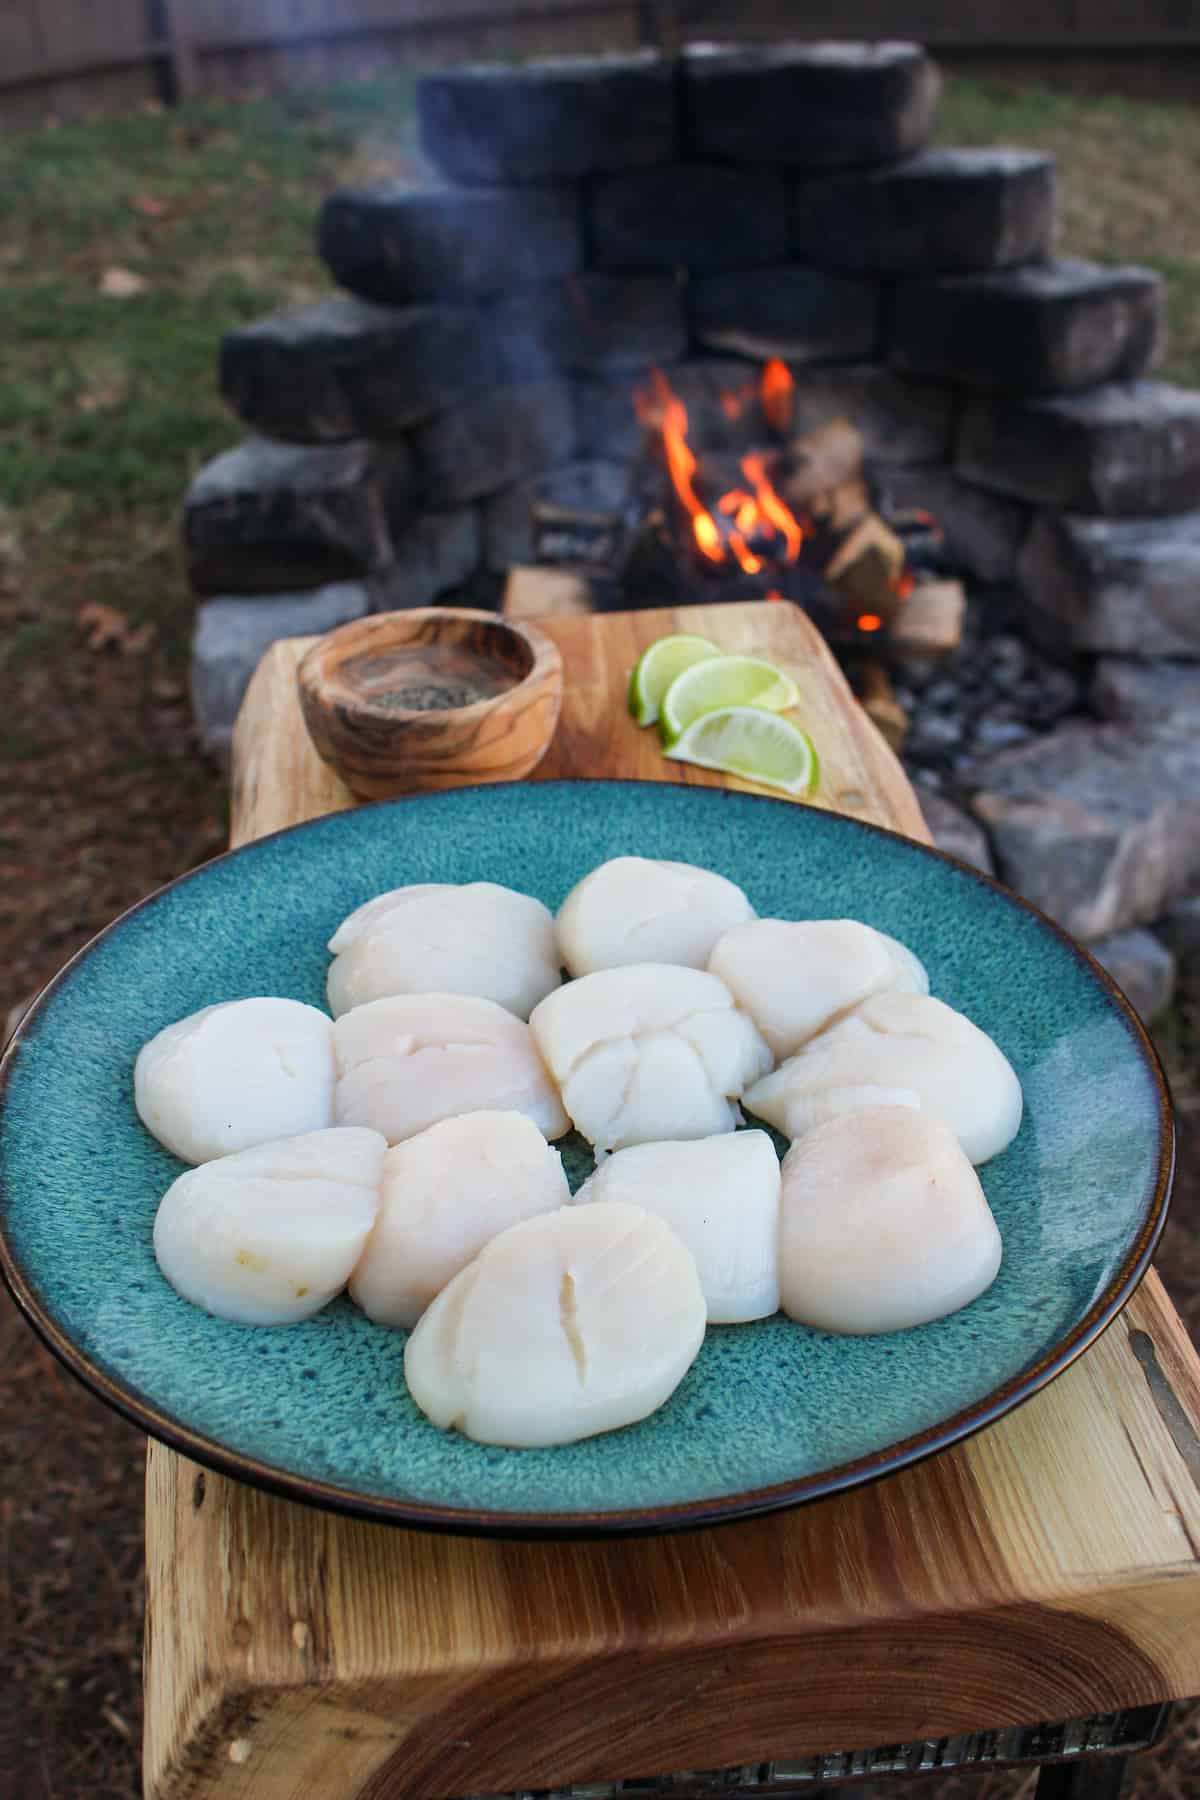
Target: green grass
(1128, 174)
(108, 406)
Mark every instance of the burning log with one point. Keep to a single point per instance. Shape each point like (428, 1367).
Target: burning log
(794, 518)
(816, 465)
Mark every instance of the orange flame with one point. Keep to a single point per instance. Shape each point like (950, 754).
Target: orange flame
(869, 622)
(755, 528)
(746, 558)
(777, 393)
(673, 424)
(754, 468)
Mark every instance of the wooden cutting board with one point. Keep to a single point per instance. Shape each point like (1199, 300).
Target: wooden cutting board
(276, 770)
(1047, 1568)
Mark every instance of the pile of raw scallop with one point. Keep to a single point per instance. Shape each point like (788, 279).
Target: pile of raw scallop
(402, 1147)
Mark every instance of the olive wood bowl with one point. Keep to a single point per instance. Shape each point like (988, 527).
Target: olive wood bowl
(403, 702)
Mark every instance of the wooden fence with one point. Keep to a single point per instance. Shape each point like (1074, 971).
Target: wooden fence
(65, 57)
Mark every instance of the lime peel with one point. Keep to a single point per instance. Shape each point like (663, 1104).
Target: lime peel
(659, 666)
(721, 682)
(748, 741)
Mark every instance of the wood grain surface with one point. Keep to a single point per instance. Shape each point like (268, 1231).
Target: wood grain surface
(511, 670)
(274, 759)
(1047, 1567)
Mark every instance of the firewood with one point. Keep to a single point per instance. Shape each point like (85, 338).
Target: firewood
(869, 534)
(877, 697)
(844, 506)
(820, 461)
(541, 593)
(929, 624)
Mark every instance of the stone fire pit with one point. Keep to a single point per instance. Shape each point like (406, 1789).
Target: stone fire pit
(587, 220)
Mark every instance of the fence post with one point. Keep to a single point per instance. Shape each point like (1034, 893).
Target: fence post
(181, 51)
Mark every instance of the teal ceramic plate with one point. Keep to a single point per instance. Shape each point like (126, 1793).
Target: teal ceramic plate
(769, 1414)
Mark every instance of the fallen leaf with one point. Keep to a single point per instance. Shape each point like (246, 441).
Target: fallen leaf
(150, 206)
(105, 626)
(122, 284)
(102, 399)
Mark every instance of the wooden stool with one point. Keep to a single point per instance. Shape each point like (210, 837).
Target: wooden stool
(1047, 1569)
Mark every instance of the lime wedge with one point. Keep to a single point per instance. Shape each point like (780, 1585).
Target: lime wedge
(658, 668)
(747, 741)
(719, 682)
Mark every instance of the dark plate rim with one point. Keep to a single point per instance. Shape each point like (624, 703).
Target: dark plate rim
(728, 1508)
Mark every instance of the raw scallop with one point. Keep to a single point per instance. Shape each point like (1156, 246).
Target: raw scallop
(269, 1235)
(720, 1196)
(236, 1074)
(647, 1052)
(574, 1323)
(794, 977)
(446, 1193)
(883, 1224)
(480, 939)
(899, 1046)
(634, 910)
(406, 1062)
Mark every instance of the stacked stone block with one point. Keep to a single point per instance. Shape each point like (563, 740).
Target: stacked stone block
(587, 219)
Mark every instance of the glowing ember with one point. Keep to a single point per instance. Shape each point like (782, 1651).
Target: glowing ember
(869, 622)
(777, 394)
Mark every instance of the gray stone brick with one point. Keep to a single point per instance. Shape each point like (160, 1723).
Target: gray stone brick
(345, 369)
(815, 105)
(953, 210)
(397, 243)
(1039, 329)
(701, 215)
(492, 439)
(1127, 448)
(589, 324)
(267, 517)
(231, 636)
(1129, 586)
(540, 121)
(1142, 967)
(801, 315)
(433, 554)
(983, 533)
(1099, 825)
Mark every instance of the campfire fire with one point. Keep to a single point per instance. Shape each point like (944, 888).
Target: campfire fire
(744, 507)
(754, 527)
(797, 502)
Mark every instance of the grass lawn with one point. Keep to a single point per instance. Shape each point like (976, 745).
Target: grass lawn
(127, 247)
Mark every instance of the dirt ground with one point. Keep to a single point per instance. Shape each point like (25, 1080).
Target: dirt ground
(117, 802)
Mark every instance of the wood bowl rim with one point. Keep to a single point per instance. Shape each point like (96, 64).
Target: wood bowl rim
(328, 691)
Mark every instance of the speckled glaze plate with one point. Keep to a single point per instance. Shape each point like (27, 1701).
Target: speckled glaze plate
(771, 1413)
